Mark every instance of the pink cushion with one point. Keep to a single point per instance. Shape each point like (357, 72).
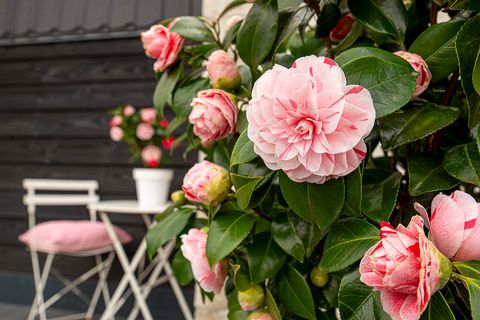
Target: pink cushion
(70, 236)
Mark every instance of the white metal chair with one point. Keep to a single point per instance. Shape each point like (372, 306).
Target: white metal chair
(40, 239)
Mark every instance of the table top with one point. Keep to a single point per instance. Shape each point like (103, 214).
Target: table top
(126, 207)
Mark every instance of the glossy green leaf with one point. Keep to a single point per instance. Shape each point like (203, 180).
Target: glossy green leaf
(294, 293)
(182, 269)
(347, 242)
(389, 78)
(436, 45)
(167, 228)
(438, 308)
(244, 187)
(241, 277)
(469, 269)
(226, 232)
(465, 5)
(476, 74)
(353, 194)
(243, 150)
(467, 46)
(415, 123)
(308, 232)
(272, 307)
(265, 257)
(257, 34)
(183, 96)
(379, 199)
(355, 299)
(470, 275)
(193, 28)
(426, 174)
(285, 234)
(164, 89)
(319, 203)
(293, 22)
(463, 163)
(388, 17)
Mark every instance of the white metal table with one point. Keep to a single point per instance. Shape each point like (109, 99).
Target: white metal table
(147, 278)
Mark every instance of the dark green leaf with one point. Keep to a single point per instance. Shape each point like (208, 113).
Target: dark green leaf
(226, 232)
(438, 308)
(243, 150)
(436, 45)
(327, 20)
(463, 163)
(164, 89)
(307, 231)
(294, 293)
(244, 187)
(293, 22)
(469, 269)
(272, 306)
(379, 199)
(353, 193)
(257, 34)
(182, 269)
(265, 258)
(319, 203)
(285, 235)
(389, 17)
(167, 228)
(347, 242)
(470, 275)
(465, 5)
(183, 96)
(426, 174)
(389, 78)
(193, 28)
(467, 46)
(476, 74)
(415, 123)
(355, 299)
(241, 277)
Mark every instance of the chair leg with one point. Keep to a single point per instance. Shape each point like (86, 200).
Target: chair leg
(102, 278)
(40, 279)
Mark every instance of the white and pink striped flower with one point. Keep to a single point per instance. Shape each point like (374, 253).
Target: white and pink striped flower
(307, 122)
(454, 225)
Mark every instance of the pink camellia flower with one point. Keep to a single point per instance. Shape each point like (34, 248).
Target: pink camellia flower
(406, 268)
(128, 111)
(342, 28)
(115, 121)
(116, 133)
(194, 250)
(162, 44)
(148, 115)
(307, 122)
(454, 225)
(145, 131)
(151, 156)
(213, 115)
(168, 142)
(420, 66)
(222, 70)
(206, 183)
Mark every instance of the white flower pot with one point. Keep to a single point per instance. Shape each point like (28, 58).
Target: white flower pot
(153, 186)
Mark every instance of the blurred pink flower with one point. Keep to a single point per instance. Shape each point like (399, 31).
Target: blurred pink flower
(213, 115)
(115, 121)
(162, 44)
(151, 156)
(148, 115)
(116, 133)
(406, 268)
(194, 250)
(222, 70)
(307, 122)
(420, 66)
(454, 225)
(145, 131)
(129, 110)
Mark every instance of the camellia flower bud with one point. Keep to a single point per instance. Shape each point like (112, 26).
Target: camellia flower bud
(420, 66)
(223, 71)
(342, 28)
(206, 183)
(151, 156)
(260, 315)
(252, 298)
(115, 121)
(129, 110)
(178, 197)
(319, 277)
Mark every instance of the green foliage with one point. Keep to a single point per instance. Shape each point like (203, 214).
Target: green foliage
(265, 258)
(243, 150)
(165, 86)
(193, 28)
(470, 275)
(285, 234)
(355, 299)
(438, 308)
(379, 199)
(182, 269)
(184, 94)
(463, 163)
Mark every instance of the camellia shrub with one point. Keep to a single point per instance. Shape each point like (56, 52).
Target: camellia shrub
(342, 162)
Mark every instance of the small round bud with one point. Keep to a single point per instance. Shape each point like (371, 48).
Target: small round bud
(251, 298)
(223, 71)
(318, 277)
(178, 197)
(260, 315)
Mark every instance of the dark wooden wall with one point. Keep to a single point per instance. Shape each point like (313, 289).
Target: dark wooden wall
(54, 99)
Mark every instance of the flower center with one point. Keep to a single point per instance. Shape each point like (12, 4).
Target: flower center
(305, 128)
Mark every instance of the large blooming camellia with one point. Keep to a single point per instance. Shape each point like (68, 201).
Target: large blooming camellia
(307, 122)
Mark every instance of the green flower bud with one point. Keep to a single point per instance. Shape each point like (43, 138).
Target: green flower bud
(318, 277)
(251, 298)
(178, 197)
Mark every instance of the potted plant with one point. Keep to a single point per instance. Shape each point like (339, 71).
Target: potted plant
(146, 133)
